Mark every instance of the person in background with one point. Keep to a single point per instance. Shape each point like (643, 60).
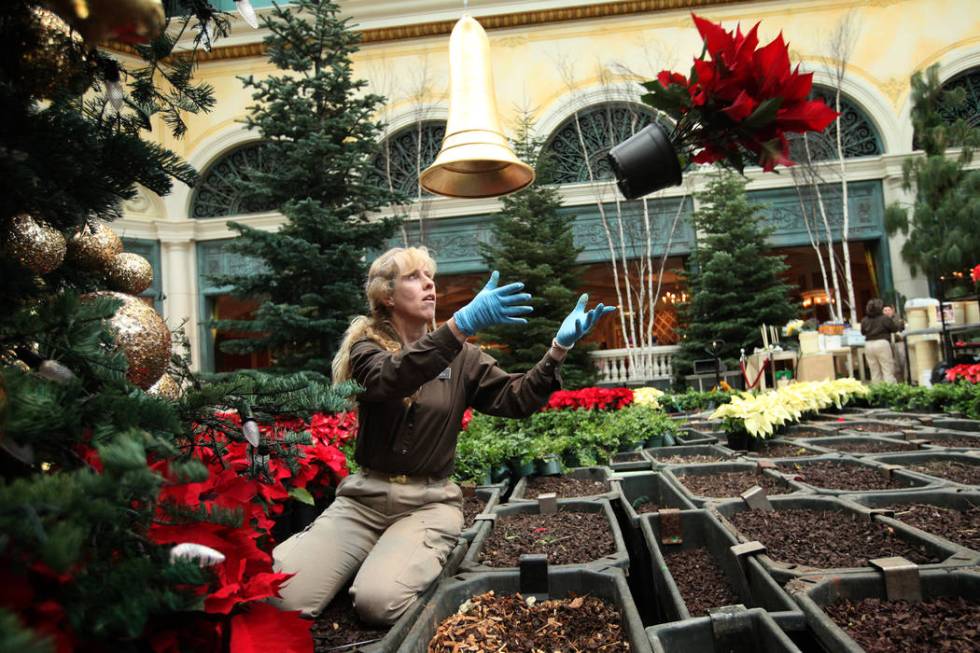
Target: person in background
(877, 329)
(898, 346)
(394, 522)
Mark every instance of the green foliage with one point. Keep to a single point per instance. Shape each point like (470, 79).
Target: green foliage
(693, 400)
(320, 140)
(533, 243)
(735, 285)
(15, 637)
(962, 398)
(943, 227)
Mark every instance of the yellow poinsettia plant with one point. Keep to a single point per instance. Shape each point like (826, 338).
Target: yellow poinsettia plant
(647, 396)
(761, 414)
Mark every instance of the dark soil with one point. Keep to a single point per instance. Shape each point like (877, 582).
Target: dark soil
(564, 487)
(960, 526)
(472, 506)
(951, 470)
(644, 504)
(566, 537)
(690, 460)
(841, 476)
(507, 623)
(872, 428)
(781, 450)
(732, 484)
(939, 625)
(870, 446)
(338, 625)
(825, 539)
(962, 441)
(702, 583)
(796, 435)
(631, 457)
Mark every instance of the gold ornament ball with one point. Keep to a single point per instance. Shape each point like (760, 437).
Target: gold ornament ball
(143, 337)
(95, 247)
(129, 273)
(167, 388)
(34, 244)
(51, 65)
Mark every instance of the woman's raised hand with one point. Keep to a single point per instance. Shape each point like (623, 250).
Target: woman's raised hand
(579, 322)
(493, 305)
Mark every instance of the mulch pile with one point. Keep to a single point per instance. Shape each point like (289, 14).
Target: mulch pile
(833, 475)
(338, 626)
(963, 441)
(870, 446)
(781, 450)
(960, 526)
(564, 486)
(472, 506)
(702, 583)
(489, 622)
(872, 428)
(643, 504)
(940, 625)
(951, 470)
(732, 484)
(825, 539)
(566, 537)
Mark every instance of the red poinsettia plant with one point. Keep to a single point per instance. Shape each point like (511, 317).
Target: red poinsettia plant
(739, 101)
(964, 372)
(593, 398)
(975, 274)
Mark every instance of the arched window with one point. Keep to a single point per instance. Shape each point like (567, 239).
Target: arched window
(969, 111)
(219, 192)
(577, 148)
(406, 153)
(859, 137)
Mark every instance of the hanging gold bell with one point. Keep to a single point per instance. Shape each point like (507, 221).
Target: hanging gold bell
(475, 160)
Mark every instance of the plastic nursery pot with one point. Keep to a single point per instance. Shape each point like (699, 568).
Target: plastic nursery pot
(733, 629)
(522, 469)
(742, 441)
(645, 162)
(549, 466)
(626, 447)
(499, 473)
(597, 473)
(609, 585)
(643, 488)
(655, 442)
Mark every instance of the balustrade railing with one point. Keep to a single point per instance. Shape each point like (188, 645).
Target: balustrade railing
(636, 366)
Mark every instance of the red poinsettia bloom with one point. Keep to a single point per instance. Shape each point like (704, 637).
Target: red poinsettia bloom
(975, 274)
(964, 372)
(739, 99)
(590, 399)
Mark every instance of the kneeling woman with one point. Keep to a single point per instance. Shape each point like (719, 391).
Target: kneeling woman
(395, 521)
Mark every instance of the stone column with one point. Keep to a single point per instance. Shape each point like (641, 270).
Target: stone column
(180, 290)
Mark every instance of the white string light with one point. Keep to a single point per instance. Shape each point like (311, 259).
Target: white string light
(248, 13)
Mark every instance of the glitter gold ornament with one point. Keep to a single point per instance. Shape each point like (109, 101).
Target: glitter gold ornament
(54, 60)
(95, 247)
(34, 244)
(129, 21)
(129, 273)
(167, 388)
(143, 337)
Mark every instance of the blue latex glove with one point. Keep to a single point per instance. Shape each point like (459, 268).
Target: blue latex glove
(579, 321)
(493, 305)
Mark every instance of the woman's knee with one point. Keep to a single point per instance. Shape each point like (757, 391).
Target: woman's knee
(382, 603)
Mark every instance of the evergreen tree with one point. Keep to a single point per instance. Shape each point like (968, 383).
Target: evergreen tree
(101, 476)
(735, 285)
(320, 137)
(944, 226)
(533, 243)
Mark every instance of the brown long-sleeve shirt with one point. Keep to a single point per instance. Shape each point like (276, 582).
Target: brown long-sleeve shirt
(879, 327)
(420, 438)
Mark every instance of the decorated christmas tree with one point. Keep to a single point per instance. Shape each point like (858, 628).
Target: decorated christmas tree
(533, 243)
(137, 499)
(735, 284)
(320, 140)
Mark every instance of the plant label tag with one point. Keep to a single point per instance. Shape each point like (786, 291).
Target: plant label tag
(902, 581)
(756, 498)
(547, 503)
(446, 374)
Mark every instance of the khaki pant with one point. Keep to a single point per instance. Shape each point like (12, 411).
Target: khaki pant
(880, 361)
(398, 534)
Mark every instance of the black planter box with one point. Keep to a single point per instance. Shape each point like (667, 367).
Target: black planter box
(733, 630)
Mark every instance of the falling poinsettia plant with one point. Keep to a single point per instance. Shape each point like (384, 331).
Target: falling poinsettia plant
(739, 101)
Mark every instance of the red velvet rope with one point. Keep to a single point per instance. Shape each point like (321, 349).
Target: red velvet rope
(749, 386)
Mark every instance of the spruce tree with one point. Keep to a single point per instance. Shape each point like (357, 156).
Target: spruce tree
(944, 226)
(532, 242)
(735, 285)
(88, 455)
(320, 136)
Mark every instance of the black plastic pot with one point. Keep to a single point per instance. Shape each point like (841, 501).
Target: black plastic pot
(929, 456)
(831, 444)
(940, 439)
(814, 593)
(471, 563)
(664, 457)
(645, 162)
(652, 486)
(699, 530)
(676, 475)
(609, 585)
(785, 571)
(970, 425)
(795, 468)
(620, 462)
(731, 630)
(598, 473)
